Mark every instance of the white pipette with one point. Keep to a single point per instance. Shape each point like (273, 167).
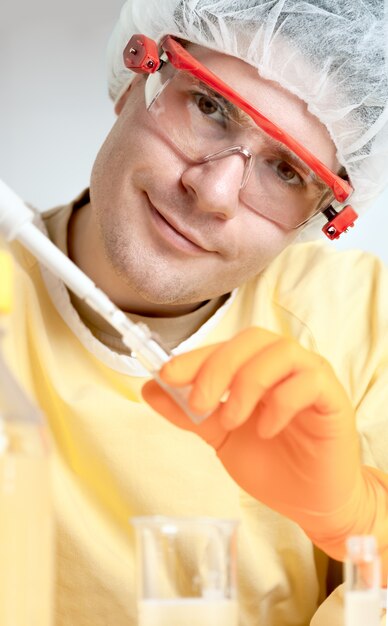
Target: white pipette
(16, 223)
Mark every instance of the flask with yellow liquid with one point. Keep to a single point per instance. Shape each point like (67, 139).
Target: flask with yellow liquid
(26, 535)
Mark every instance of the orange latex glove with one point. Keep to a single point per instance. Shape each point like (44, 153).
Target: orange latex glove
(286, 433)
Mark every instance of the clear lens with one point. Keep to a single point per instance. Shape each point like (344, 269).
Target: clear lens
(203, 124)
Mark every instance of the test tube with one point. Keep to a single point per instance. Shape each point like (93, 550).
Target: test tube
(362, 582)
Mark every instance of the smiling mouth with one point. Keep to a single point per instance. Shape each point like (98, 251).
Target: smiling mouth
(180, 233)
(186, 238)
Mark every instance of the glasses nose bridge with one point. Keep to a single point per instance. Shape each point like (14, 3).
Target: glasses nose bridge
(230, 151)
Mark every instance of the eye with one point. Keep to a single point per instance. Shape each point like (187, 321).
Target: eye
(287, 173)
(210, 108)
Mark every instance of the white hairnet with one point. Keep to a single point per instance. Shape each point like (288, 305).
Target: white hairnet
(330, 53)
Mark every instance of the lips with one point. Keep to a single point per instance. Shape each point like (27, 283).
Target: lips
(181, 232)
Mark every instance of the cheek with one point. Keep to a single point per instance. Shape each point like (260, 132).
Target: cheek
(128, 137)
(119, 148)
(261, 240)
(134, 154)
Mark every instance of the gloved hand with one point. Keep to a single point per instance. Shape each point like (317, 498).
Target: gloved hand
(286, 433)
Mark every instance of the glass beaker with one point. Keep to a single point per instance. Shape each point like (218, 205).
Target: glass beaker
(186, 571)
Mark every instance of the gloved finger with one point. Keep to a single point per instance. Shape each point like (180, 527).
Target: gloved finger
(307, 389)
(217, 371)
(274, 363)
(182, 369)
(210, 430)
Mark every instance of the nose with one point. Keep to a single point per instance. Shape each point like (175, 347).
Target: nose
(215, 184)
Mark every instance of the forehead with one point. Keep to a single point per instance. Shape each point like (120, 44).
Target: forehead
(277, 103)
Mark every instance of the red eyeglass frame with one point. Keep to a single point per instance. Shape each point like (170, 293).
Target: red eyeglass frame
(141, 55)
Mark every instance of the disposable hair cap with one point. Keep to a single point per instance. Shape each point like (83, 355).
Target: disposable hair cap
(342, 43)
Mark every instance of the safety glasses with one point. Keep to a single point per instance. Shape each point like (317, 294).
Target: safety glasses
(206, 120)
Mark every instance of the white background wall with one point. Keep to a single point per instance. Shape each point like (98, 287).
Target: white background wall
(55, 111)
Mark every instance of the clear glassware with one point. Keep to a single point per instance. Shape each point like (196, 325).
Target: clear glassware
(186, 571)
(26, 533)
(362, 582)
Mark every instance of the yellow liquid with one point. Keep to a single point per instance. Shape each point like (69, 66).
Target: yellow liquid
(26, 572)
(187, 612)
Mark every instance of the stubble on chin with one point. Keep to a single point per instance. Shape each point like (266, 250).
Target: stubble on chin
(149, 276)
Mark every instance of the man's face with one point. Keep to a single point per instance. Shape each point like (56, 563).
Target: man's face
(177, 233)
